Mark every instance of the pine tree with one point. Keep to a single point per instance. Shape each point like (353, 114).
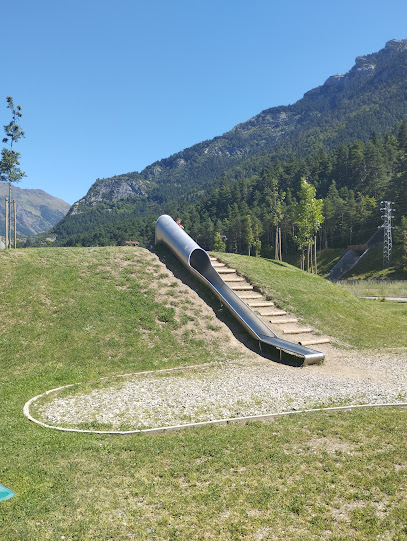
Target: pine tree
(333, 206)
(405, 250)
(248, 233)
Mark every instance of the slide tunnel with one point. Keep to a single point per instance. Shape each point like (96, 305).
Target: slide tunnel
(198, 263)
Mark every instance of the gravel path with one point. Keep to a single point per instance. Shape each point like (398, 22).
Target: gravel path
(233, 389)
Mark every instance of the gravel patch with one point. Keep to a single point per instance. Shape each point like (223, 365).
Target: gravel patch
(227, 390)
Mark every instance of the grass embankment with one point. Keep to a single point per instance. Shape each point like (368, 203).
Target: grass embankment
(73, 315)
(327, 259)
(358, 322)
(371, 266)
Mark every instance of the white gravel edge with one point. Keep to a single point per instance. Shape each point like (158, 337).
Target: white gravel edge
(243, 419)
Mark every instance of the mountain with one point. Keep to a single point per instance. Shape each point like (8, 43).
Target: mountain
(37, 211)
(113, 189)
(370, 98)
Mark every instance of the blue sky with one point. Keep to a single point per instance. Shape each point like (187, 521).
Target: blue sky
(109, 87)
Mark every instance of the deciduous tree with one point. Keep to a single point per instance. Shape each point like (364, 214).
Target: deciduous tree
(10, 171)
(308, 219)
(218, 244)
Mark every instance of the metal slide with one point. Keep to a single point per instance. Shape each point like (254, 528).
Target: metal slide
(198, 263)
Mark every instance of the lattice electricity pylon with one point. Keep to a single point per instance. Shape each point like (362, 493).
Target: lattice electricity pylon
(387, 208)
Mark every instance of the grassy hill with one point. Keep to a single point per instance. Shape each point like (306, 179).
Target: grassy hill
(76, 314)
(327, 306)
(370, 268)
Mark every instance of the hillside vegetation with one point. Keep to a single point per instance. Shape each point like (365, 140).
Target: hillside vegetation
(79, 314)
(37, 211)
(348, 137)
(351, 181)
(353, 321)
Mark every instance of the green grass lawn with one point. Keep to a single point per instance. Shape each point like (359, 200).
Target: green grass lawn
(79, 314)
(376, 288)
(359, 322)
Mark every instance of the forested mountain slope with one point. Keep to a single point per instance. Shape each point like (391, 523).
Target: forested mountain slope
(37, 211)
(369, 99)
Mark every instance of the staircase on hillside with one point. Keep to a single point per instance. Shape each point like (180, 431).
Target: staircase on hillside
(353, 256)
(283, 324)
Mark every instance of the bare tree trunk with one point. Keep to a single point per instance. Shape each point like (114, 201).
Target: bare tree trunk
(6, 232)
(279, 244)
(9, 215)
(15, 224)
(315, 252)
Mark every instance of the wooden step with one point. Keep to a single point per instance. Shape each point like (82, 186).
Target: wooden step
(243, 287)
(225, 270)
(272, 313)
(315, 341)
(281, 321)
(235, 278)
(255, 300)
(298, 331)
(260, 304)
(250, 295)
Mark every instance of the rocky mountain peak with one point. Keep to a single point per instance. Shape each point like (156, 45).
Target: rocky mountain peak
(112, 189)
(343, 103)
(396, 45)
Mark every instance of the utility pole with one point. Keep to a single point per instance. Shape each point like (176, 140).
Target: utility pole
(387, 209)
(6, 222)
(15, 224)
(9, 215)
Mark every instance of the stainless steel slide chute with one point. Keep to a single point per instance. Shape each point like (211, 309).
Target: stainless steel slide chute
(197, 261)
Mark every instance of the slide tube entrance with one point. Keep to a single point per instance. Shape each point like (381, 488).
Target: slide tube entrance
(197, 261)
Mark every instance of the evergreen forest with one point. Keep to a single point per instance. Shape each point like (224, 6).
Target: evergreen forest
(254, 208)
